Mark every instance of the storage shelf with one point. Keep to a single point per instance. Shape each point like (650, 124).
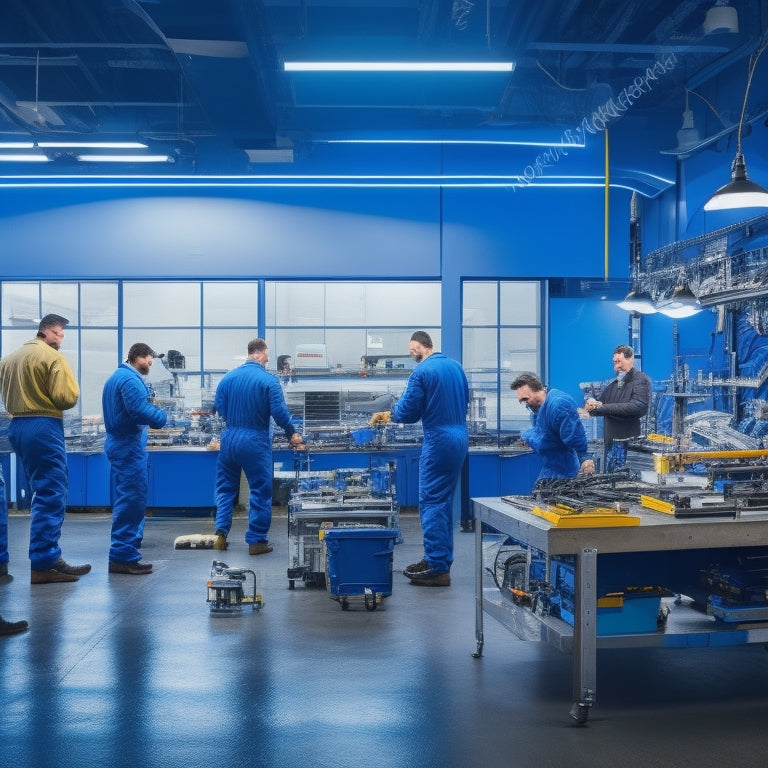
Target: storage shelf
(686, 627)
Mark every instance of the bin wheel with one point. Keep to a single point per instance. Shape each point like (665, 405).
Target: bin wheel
(344, 604)
(291, 583)
(579, 712)
(370, 603)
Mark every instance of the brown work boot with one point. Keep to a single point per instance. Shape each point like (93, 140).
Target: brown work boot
(135, 568)
(59, 571)
(259, 548)
(432, 580)
(220, 542)
(12, 627)
(416, 569)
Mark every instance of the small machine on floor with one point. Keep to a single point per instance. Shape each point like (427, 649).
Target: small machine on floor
(226, 593)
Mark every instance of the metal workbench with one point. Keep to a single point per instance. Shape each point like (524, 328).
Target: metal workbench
(657, 533)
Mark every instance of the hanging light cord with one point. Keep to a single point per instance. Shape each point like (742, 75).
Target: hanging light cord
(750, 73)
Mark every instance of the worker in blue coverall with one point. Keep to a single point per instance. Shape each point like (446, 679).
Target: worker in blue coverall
(246, 399)
(128, 411)
(437, 392)
(557, 434)
(6, 627)
(38, 385)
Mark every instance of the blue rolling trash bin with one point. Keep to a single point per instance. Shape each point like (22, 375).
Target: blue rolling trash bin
(358, 563)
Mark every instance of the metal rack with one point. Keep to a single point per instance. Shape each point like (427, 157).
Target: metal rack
(659, 538)
(340, 498)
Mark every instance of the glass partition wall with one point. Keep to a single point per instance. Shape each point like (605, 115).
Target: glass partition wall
(349, 336)
(501, 338)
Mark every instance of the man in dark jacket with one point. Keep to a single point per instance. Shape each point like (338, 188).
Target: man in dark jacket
(624, 402)
(128, 411)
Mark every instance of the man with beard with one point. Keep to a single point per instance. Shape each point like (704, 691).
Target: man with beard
(37, 386)
(557, 434)
(128, 411)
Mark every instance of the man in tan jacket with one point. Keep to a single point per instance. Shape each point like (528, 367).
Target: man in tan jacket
(37, 385)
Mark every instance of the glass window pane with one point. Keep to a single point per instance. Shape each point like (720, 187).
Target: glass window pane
(345, 304)
(61, 299)
(70, 348)
(345, 349)
(98, 304)
(491, 368)
(21, 304)
(287, 341)
(520, 351)
(520, 303)
(225, 350)
(381, 341)
(231, 304)
(480, 353)
(299, 304)
(180, 348)
(480, 304)
(162, 303)
(99, 360)
(405, 304)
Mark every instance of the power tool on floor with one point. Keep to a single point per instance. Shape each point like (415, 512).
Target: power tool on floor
(226, 593)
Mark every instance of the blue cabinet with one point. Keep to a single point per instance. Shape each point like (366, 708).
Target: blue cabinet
(490, 472)
(88, 480)
(182, 479)
(500, 473)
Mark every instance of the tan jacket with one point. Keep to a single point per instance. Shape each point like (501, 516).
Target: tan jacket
(36, 380)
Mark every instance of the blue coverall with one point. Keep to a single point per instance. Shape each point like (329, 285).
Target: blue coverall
(437, 392)
(3, 522)
(246, 398)
(558, 436)
(128, 410)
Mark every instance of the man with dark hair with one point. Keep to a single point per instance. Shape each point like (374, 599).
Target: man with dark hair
(557, 434)
(437, 392)
(37, 385)
(128, 412)
(624, 402)
(246, 398)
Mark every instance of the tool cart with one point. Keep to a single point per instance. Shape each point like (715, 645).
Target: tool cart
(340, 498)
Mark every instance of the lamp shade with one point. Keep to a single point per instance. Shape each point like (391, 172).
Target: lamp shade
(740, 192)
(638, 301)
(683, 303)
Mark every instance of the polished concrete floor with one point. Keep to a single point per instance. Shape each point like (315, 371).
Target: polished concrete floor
(129, 671)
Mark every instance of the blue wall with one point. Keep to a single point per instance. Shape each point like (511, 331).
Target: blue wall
(250, 227)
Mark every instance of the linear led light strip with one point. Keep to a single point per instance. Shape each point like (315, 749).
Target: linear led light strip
(212, 181)
(19, 156)
(484, 142)
(72, 145)
(399, 66)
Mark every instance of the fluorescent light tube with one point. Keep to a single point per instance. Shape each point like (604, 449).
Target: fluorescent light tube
(91, 144)
(123, 158)
(23, 158)
(399, 66)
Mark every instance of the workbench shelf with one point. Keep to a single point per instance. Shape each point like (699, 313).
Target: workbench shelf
(686, 627)
(667, 547)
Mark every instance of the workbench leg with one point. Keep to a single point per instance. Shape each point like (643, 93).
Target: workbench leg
(478, 587)
(584, 635)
